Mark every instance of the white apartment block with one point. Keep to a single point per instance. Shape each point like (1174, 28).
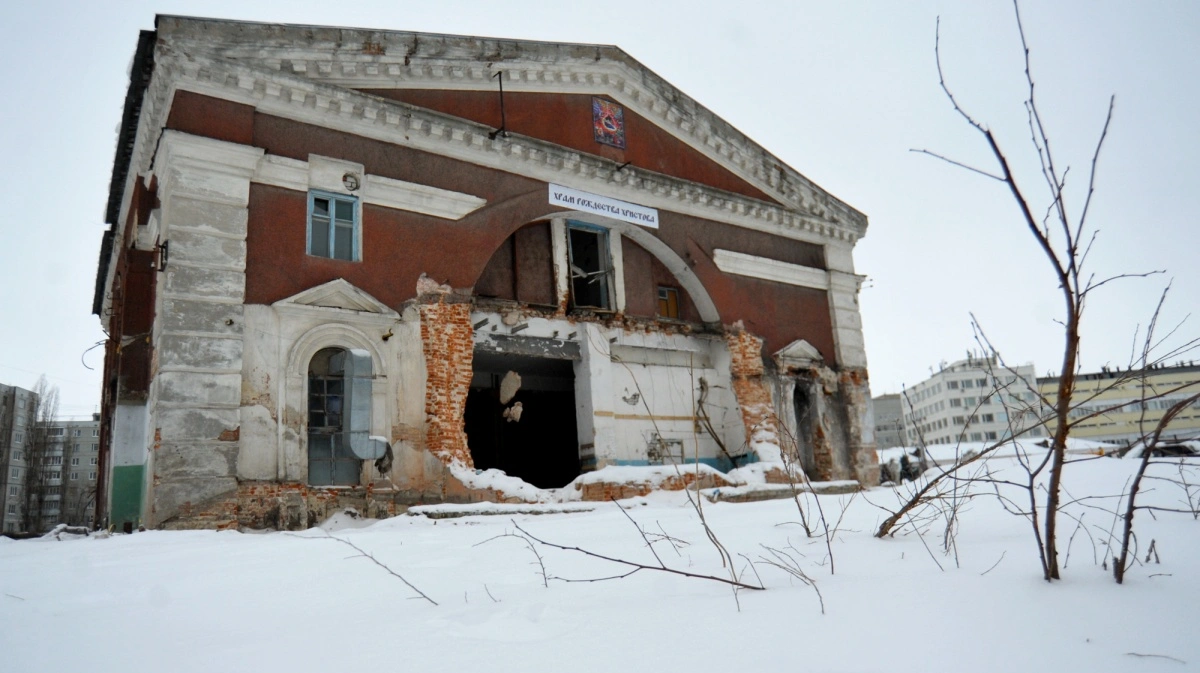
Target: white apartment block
(972, 400)
(66, 468)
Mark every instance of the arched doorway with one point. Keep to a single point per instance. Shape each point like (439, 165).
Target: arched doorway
(330, 460)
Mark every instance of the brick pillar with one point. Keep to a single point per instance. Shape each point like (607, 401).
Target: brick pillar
(447, 341)
(753, 396)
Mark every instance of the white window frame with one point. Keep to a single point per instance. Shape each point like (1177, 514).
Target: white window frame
(356, 225)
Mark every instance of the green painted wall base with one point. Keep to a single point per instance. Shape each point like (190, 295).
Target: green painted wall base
(126, 500)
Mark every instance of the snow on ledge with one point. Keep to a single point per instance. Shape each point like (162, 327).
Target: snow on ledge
(762, 491)
(451, 511)
(654, 475)
(496, 480)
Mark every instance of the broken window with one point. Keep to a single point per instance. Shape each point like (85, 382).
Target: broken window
(333, 226)
(668, 302)
(591, 267)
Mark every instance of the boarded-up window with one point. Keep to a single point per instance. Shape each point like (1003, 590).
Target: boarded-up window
(522, 268)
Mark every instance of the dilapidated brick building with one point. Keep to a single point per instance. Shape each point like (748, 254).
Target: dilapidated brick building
(364, 267)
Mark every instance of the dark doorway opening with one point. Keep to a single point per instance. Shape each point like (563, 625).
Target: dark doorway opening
(802, 405)
(542, 447)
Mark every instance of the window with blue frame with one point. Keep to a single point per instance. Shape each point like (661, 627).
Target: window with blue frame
(333, 229)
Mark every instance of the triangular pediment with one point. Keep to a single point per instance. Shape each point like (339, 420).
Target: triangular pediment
(799, 353)
(346, 62)
(336, 294)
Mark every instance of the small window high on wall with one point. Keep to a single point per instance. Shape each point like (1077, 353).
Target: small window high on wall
(333, 226)
(668, 302)
(591, 267)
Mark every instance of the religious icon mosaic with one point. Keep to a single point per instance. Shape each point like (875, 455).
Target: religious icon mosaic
(608, 122)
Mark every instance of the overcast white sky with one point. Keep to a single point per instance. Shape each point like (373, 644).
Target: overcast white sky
(839, 90)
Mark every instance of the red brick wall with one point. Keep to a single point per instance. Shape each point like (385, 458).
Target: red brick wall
(566, 119)
(457, 252)
(446, 339)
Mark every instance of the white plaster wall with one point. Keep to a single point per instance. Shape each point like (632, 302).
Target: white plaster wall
(280, 342)
(197, 334)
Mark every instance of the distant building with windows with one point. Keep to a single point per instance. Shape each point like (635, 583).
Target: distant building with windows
(889, 421)
(972, 400)
(16, 421)
(80, 471)
(1122, 406)
(61, 473)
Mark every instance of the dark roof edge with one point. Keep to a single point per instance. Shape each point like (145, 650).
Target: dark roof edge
(106, 246)
(139, 78)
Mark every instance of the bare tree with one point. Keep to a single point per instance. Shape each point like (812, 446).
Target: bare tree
(39, 453)
(1065, 240)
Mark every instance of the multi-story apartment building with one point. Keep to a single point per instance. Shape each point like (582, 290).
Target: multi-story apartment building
(80, 471)
(889, 421)
(972, 400)
(48, 474)
(16, 421)
(1123, 406)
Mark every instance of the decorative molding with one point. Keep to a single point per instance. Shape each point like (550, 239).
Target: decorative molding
(377, 190)
(420, 60)
(770, 269)
(418, 198)
(799, 353)
(390, 121)
(283, 172)
(336, 294)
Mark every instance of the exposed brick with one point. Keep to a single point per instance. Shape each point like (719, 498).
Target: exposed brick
(598, 491)
(746, 371)
(448, 344)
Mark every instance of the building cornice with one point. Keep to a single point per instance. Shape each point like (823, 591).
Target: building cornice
(365, 59)
(307, 101)
(775, 270)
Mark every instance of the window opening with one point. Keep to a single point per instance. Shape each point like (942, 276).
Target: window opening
(333, 226)
(591, 267)
(668, 302)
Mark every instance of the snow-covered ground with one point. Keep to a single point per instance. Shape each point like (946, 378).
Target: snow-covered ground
(228, 601)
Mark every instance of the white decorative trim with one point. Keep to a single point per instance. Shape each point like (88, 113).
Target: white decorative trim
(799, 353)
(316, 103)
(326, 174)
(770, 269)
(418, 198)
(338, 295)
(283, 172)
